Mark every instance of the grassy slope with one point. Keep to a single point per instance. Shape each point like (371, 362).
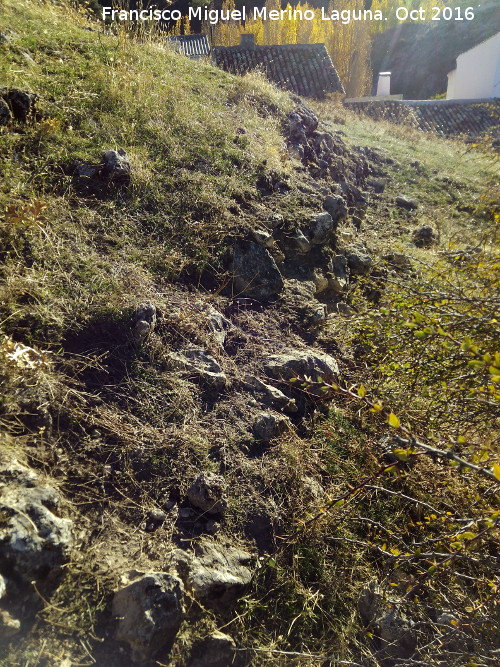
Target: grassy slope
(71, 277)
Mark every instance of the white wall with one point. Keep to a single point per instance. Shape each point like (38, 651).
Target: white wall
(478, 72)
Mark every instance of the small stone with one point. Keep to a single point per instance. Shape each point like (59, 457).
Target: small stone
(300, 242)
(115, 165)
(344, 309)
(267, 426)
(447, 618)
(338, 277)
(9, 626)
(377, 184)
(321, 281)
(216, 574)
(407, 203)
(264, 238)
(207, 493)
(212, 527)
(424, 237)
(158, 516)
(144, 321)
(219, 325)
(186, 513)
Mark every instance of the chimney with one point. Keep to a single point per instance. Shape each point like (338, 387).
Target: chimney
(247, 40)
(384, 84)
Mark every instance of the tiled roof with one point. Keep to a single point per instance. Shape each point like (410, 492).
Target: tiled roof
(447, 118)
(194, 46)
(305, 69)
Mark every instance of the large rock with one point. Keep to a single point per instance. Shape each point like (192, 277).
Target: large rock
(255, 273)
(270, 395)
(34, 541)
(150, 611)
(201, 365)
(207, 493)
(302, 364)
(216, 575)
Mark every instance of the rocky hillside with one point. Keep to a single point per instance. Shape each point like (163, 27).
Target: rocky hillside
(232, 432)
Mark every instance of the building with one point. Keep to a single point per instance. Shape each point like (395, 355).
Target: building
(305, 69)
(193, 46)
(477, 74)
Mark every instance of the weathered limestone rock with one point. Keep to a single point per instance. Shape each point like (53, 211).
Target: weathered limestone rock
(207, 493)
(359, 261)
(115, 166)
(150, 611)
(267, 426)
(337, 208)
(263, 237)
(301, 364)
(255, 273)
(338, 277)
(113, 169)
(299, 242)
(219, 325)
(407, 203)
(202, 365)
(300, 295)
(216, 650)
(271, 395)
(34, 541)
(216, 575)
(322, 229)
(144, 321)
